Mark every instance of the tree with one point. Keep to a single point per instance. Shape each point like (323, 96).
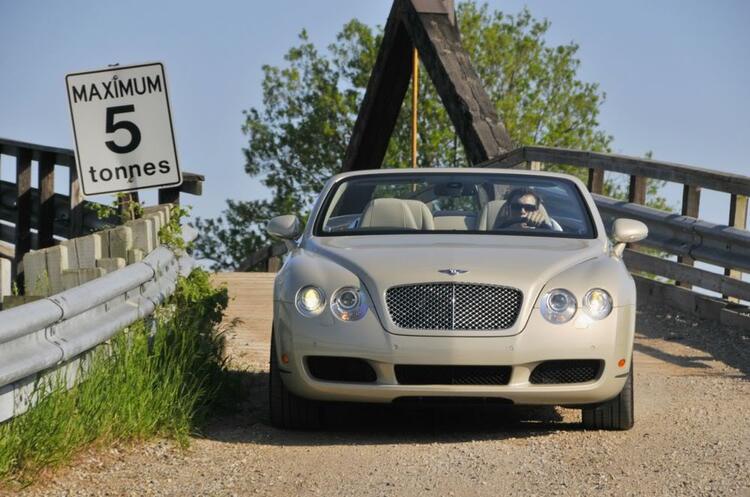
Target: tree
(298, 137)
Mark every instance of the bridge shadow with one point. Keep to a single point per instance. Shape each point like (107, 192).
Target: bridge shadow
(375, 424)
(719, 343)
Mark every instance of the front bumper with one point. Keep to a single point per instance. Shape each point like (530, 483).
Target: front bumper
(609, 340)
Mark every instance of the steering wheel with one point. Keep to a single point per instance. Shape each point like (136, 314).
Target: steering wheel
(520, 220)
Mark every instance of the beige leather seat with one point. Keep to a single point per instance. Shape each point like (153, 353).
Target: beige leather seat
(422, 215)
(388, 213)
(488, 215)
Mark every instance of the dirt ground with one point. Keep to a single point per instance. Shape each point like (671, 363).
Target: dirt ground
(692, 435)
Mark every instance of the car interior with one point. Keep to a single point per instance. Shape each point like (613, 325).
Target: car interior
(452, 204)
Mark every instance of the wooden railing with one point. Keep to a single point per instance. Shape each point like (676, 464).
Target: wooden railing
(683, 235)
(32, 217)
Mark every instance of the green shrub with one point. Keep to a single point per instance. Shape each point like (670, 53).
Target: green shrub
(158, 377)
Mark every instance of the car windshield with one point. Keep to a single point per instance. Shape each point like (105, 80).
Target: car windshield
(458, 203)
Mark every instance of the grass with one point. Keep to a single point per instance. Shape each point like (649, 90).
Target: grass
(156, 378)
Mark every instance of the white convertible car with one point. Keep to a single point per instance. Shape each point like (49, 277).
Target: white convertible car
(454, 285)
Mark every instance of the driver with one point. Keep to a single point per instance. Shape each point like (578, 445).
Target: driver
(525, 206)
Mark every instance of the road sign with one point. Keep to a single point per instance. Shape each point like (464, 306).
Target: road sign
(123, 131)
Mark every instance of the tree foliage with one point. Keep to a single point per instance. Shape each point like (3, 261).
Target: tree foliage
(298, 137)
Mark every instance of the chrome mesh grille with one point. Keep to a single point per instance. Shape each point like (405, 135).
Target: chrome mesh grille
(453, 306)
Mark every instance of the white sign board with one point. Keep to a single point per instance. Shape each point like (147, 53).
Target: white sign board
(123, 131)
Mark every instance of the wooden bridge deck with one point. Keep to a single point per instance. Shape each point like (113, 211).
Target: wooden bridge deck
(251, 306)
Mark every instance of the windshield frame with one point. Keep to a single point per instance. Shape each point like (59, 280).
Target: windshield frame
(318, 231)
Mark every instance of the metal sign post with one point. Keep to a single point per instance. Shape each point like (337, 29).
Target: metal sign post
(122, 124)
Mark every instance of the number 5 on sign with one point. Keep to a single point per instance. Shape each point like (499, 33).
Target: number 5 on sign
(135, 133)
(122, 124)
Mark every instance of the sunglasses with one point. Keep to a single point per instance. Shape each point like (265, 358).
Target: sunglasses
(518, 206)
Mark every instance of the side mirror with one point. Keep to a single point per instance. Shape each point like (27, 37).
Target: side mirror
(285, 227)
(627, 231)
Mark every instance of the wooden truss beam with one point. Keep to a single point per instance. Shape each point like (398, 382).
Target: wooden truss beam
(430, 26)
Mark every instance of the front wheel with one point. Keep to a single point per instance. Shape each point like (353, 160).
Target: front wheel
(286, 409)
(615, 414)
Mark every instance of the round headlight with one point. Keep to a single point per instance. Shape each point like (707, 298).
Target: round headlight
(310, 301)
(597, 303)
(348, 304)
(558, 306)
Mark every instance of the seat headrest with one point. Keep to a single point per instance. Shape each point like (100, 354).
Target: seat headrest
(388, 213)
(422, 215)
(488, 216)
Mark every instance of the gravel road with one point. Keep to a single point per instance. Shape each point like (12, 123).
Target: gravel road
(692, 437)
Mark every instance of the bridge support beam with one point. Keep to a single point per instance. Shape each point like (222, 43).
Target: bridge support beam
(430, 26)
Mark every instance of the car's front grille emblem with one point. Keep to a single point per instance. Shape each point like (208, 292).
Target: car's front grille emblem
(448, 306)
(452, 272)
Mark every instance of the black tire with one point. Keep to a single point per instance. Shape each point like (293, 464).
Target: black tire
(288, 411)
(615, 414)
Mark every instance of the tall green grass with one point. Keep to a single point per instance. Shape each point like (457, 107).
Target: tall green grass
(156, 378)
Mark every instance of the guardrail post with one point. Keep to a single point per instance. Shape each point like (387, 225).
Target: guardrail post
(89, 249)
(23, 212)
(35, 276)
(5, 272)
(57, 263)
(595, 182)
(737, 219)
(143, 235)
(120, 241)
(691, 201)
(46, 200)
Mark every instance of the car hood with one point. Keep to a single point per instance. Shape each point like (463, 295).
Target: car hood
(523, 262)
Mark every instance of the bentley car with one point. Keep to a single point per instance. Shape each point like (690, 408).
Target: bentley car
(461, 285)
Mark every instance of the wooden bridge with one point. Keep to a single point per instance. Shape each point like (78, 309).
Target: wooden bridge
(692, 329)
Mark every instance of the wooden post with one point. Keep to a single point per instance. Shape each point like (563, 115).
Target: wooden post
(274, 264)
(169, 196)
(691, 201)
(127, 202)
(46, 200)
(76, 204)
(23, 212)
(737, 219)
(637, 190)
(596, 181)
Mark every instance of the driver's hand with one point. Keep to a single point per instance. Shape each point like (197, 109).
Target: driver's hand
(537, 219)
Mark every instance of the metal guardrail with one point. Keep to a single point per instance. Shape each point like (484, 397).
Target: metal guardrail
(53, 335)
(683, 235)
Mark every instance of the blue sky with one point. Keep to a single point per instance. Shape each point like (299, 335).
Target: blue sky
(676, 73)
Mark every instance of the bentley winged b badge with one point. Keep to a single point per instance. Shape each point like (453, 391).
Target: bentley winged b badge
(452, 272)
